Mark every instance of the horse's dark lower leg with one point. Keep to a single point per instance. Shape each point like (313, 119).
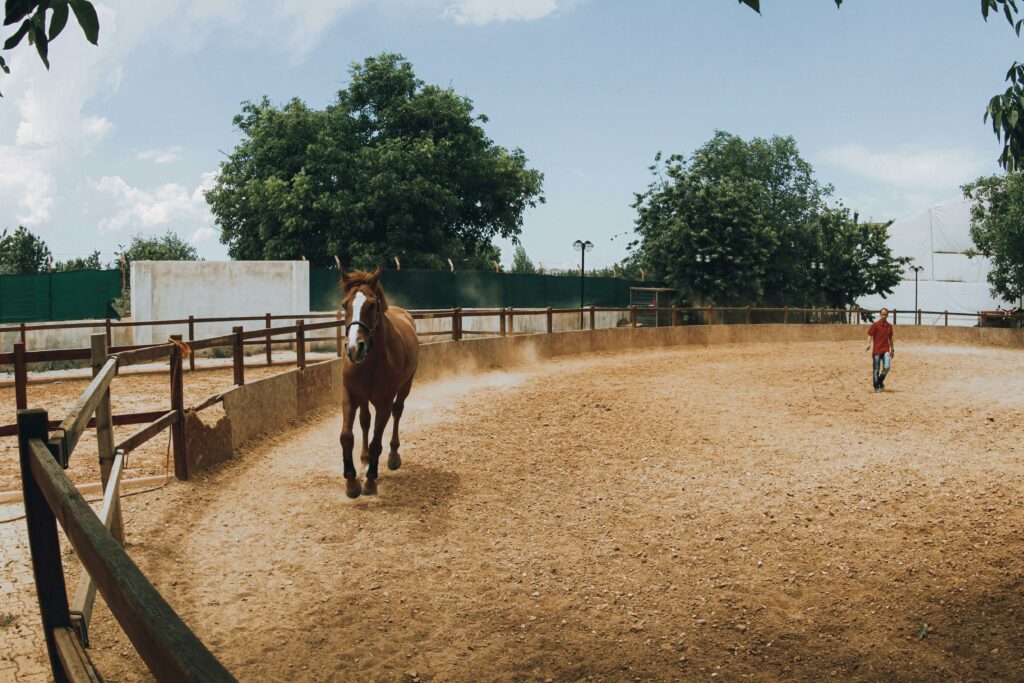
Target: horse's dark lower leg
(364, 423)
(395, 460)
(376, 447)
(347, 439)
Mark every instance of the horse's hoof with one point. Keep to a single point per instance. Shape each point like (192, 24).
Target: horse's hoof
(394, 461)
(370, 488)
(353, 488)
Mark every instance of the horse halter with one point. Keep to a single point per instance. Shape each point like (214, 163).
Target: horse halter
(369, 330)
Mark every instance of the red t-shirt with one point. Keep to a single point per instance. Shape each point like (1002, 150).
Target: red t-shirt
(881, 332)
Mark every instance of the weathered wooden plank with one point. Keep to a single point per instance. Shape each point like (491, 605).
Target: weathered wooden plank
(72, 426)
(146, 433)
(167, 646)
(126, 419)
(105, 428)
(77, 667)
(148, 354)
(44, 544)
(85, 592)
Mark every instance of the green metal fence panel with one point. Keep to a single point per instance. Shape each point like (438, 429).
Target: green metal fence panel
(58, 296)
(83, 294)
(425, 289)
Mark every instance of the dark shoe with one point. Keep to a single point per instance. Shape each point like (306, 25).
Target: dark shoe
(881, 386)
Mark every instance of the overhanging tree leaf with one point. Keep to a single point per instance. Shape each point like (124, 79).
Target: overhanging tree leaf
(85, 13)
(58, 20)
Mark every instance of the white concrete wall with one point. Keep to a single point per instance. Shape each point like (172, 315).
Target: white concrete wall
(166, 290)
(76, 338)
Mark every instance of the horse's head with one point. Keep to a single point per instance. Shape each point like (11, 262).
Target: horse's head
(364, 311)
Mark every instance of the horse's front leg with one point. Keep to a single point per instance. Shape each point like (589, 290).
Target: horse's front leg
(364, 423)
(383, 414)
(348, 415)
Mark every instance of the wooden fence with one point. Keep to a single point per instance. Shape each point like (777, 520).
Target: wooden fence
(168, 647)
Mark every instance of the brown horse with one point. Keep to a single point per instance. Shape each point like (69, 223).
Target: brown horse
(381, 354)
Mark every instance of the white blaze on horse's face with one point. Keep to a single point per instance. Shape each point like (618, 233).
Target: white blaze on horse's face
(357, 347)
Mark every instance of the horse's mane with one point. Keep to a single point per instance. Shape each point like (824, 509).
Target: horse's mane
(352, 279)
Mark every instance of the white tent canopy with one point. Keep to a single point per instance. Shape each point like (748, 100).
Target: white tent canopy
(938, 239)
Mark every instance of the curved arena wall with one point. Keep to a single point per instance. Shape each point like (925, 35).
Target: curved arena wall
(272, 404)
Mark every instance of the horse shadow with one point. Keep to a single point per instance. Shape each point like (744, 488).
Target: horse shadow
(419, 495)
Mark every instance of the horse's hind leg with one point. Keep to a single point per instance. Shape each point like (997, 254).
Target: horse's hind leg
(364, 423)
(395, 460)
(382, 415)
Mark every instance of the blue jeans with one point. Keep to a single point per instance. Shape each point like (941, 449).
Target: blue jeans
(883, 359)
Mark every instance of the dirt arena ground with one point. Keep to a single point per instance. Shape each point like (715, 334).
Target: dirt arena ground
(730, 513)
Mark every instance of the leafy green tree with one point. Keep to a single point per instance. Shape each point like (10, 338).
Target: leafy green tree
(32, 17)
(90, 262)
(997, 230)
(729, 222)
(850, 260)
(746, 222)
(521, 263)
(22, 253)
(166, 247)
(393, 167)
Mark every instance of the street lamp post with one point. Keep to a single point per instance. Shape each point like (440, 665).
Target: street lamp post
(916, 269)
(582, 246)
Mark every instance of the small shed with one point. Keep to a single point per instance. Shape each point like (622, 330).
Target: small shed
(646, 299)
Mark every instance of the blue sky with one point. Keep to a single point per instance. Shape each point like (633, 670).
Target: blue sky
(885, 99)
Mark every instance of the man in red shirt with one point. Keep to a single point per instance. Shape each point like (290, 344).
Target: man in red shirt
(881, 347)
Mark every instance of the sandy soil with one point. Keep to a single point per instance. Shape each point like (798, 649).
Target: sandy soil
(729, 513)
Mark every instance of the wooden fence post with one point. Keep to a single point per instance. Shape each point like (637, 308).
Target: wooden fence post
(105, 433)
(456, 324)
(785, 315)
(20, 377)
(511, 322)
(593, 317)
(675, 316)
(550, 320)
(109, 332)
(946, 316)
(894, 316)
(191, 338)
(270, 357)
(919, 316)
(300, 344)
(178, 406)
(23, 329)
(632, 315)
(340, 317)
(238, 356)
(44, 544)
(711, 315)
(501, 322)
(748, 315)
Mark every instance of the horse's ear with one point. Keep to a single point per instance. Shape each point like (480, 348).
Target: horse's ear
(375, 278)
(344, 277)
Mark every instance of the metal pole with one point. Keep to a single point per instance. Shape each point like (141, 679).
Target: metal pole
(583, 275)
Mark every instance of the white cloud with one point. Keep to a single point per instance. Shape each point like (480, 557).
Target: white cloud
(170, 205)
(487, 11)
(160, 156)
(926, 170)
(26, 185)
(294, 28)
